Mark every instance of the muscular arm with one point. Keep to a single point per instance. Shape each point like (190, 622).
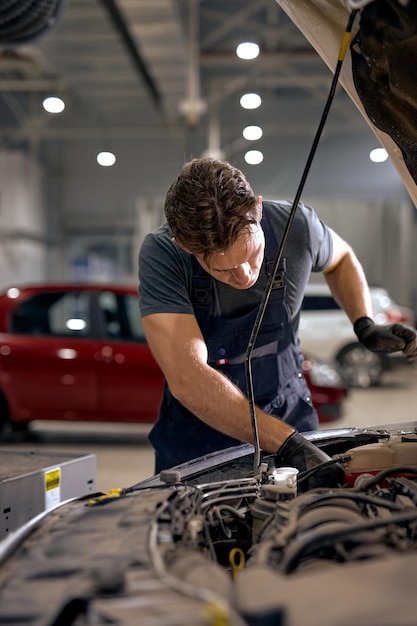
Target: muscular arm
(179, 348)
(347, 281)
(348, 284)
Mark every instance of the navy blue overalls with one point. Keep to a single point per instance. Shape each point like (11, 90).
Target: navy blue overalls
(279, 385)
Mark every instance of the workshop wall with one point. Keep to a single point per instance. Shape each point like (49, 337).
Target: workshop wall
(23, 230)
(383, 234)
(79, 221)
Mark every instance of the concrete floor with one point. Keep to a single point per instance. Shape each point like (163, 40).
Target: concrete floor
(124, 456)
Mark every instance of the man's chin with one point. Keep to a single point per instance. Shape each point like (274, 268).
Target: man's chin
(243, 287)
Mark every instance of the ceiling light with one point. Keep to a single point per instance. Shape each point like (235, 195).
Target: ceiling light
(252, 133)
(254, 157)
(13, 292)
(247, 50)
(53, 105)
(378, 155)
(106, 159)
(250, 101)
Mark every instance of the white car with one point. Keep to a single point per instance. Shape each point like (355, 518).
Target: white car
(325, 332)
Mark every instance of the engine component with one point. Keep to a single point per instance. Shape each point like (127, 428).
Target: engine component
(398, 452)
(241, 551)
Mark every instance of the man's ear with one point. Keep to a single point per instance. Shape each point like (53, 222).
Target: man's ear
(259, 207)
(177, 243)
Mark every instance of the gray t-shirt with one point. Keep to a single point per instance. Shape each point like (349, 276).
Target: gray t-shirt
(165, 270)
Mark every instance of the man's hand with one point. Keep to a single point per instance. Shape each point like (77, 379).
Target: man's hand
(386, 339)
(296, 451)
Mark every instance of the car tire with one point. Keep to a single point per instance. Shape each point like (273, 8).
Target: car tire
(360, 367)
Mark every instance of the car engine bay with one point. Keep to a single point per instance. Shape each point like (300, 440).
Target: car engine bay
(214, 542)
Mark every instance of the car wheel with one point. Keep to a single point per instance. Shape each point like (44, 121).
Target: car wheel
(361, 367)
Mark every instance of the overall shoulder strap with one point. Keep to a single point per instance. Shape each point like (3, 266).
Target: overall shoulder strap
(271, 251)
(201, 285)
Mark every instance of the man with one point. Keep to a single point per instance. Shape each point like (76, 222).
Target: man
(201, 280)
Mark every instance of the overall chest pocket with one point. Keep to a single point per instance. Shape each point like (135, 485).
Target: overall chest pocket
(227, 355)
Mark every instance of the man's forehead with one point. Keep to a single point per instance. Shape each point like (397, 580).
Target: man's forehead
(240, 252)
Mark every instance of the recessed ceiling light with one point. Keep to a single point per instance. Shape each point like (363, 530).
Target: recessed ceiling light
(252, 133)
(254, 157)
(378, 155)
(13, 292)
(53, 104)
(247, 50)
(250, 101)
(106, 159)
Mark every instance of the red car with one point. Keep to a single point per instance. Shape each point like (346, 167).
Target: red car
(78, 352)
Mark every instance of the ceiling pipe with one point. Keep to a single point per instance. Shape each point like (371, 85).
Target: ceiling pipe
(129, 43)
(214, 149)
(193, 107)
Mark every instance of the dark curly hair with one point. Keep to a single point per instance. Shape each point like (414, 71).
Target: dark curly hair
(209, 206)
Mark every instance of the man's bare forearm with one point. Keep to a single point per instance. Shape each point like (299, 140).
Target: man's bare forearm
(215, 400)
(347, 282)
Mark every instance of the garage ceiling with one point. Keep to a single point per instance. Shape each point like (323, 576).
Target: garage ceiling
(161, 80)
(153, 67)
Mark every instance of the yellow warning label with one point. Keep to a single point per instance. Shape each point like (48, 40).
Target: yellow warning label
(52, 479)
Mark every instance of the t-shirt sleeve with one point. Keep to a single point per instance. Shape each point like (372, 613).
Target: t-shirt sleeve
(310, 244)
(164, 271)
(309, 248)
(321, 242)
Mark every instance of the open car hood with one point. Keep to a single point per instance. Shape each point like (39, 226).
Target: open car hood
(379, 72)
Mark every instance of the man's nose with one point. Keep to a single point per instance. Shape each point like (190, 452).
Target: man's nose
(242, 273)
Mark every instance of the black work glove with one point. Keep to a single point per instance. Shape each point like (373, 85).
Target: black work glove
(386, 339)
(296, 451)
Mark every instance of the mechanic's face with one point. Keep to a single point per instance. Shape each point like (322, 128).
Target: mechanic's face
(239, 267)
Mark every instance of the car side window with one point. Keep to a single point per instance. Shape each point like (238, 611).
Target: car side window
(133, 316)
(121, 316)
(59, 314)
(112, 319)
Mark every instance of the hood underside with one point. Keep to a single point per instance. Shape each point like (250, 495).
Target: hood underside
(379, 72)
